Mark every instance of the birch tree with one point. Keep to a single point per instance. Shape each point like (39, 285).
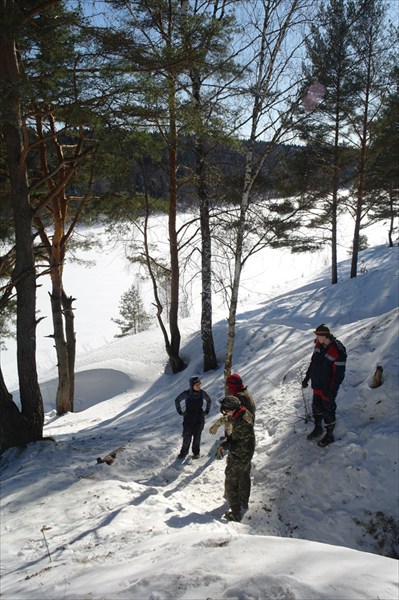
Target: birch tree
(272, 82)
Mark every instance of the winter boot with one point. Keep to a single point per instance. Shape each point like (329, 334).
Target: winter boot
(318, 429)
(233, 515)
(328, 438)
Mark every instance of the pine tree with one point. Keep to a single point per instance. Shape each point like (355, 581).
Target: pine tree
(382, 180)
(134, 317)
(329, 91)
(372, 41)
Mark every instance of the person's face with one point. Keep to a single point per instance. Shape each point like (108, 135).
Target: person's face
(197, 386)
(323, 339)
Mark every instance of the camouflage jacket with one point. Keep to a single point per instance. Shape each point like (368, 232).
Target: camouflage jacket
(226, 421)
(245, 397)
(241, 442)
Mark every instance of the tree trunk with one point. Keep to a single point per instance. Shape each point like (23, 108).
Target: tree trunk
(334, 207)
(70, 342)
(173, 349)
(356, 238)
(24, 275)
(208, 346)
(334, 258)
(175, 365)
(362, 168)
(359, 207)
(63, 404)
(231, 322)
(56, 244)
(12, 423)
(392, 217)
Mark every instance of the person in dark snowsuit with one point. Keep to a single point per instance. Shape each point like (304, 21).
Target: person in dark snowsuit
(326, 372)
(197, 404)
(240, 446)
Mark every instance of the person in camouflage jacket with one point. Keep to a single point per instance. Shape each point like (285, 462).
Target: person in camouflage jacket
(240, 445)
(236, 388)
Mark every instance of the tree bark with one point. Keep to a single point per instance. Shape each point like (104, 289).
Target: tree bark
(24, 275)
(12, 423)
(208, 346)
(63, 404)
(334, 204)
(69, 317)
(173, 349)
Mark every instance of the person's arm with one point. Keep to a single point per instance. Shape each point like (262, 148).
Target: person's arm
(309, 370)
(305, 381)
(338, 370)
(338, 366)
(215, 426)
(208, 403)
(178, 402)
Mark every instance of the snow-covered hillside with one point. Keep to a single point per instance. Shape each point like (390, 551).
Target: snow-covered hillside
(321, 522)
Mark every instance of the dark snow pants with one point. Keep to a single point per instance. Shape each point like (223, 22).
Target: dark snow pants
(191, 431)
(323, 407)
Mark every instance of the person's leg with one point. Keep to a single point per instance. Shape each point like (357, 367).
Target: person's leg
(317, 410)
(187, 434)
(197, 431)
(245, 484)
(329, 420)
(232, 476)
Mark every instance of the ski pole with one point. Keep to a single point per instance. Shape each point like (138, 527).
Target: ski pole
(308, 416)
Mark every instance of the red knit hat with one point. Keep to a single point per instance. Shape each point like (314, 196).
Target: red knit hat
(234, 381)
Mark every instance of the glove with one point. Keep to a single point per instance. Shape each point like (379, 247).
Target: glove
(305, 383)
(219, 452)
(213, 428)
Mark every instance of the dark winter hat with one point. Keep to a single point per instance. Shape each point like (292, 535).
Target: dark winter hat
(322, 330)
(194, 380)
(230, 403)
(234, 379)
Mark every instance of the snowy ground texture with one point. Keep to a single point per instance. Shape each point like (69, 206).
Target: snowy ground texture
(322, 523)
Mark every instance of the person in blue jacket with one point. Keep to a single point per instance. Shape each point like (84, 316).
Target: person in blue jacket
(197, 405)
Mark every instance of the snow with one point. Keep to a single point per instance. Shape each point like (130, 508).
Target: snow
(322, 523)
